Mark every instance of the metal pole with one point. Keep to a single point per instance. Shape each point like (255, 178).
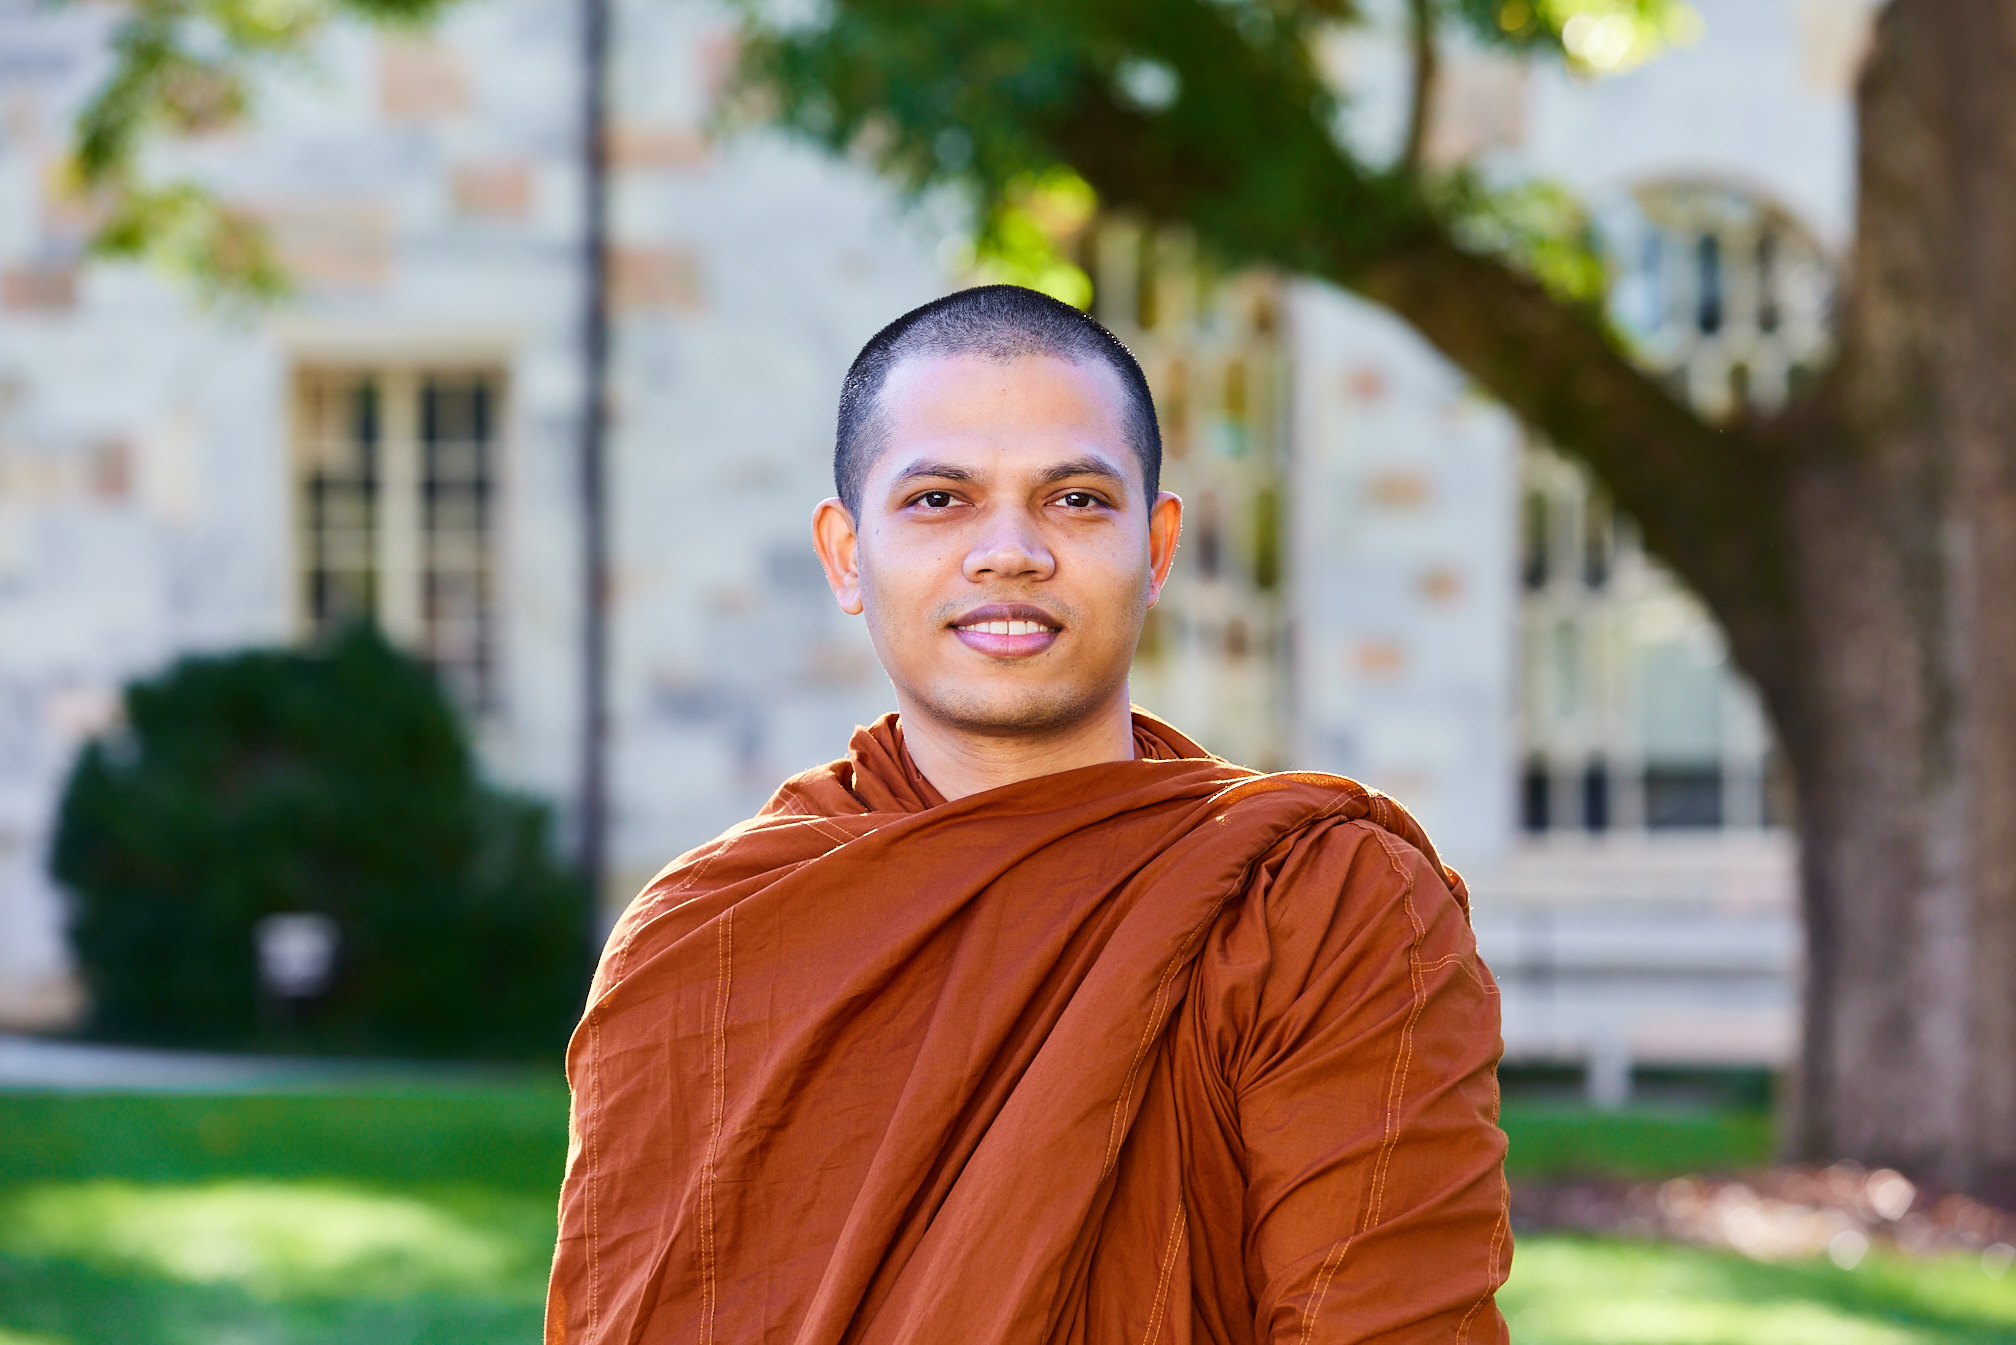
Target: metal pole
(595, 343)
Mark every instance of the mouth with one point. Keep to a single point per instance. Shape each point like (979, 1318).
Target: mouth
(1007, 630)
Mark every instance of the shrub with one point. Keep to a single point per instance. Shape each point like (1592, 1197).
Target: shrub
(339, 783)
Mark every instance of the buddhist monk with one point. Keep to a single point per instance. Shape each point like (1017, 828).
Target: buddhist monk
(1029, 1020)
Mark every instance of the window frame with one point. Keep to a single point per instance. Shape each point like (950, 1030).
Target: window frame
(402, 545)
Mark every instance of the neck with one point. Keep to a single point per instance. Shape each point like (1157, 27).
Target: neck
(959, 761)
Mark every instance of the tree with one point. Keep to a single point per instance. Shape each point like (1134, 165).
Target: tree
(1853, 545)
(1858, 547)
(332, 784)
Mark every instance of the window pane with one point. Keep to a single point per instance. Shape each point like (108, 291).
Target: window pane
(456, 418)
(339, 495)
(1534, 788)
(1683, 796)
(1596, 797)
(1534, 541)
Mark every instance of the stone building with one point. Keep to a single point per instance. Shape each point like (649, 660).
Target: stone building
(402, 435)
(1383, 576)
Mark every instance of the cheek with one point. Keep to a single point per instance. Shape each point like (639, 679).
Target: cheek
(896, 590)
(1119, 569)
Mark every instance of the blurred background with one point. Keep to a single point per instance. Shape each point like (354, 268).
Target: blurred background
(403, 554)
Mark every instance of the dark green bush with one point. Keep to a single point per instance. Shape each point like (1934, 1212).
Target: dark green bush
(337, 782)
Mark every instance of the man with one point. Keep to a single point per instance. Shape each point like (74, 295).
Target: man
(1029, 1020)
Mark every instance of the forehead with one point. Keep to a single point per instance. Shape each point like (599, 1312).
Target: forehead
(1019, 411)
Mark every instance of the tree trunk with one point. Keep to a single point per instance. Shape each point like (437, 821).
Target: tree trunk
(1901, 712)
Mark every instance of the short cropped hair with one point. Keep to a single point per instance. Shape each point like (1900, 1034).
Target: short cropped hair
(996, 322)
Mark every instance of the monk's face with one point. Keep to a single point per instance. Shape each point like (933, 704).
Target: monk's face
(1006, 553)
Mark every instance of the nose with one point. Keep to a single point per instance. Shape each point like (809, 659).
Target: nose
(1010, 547)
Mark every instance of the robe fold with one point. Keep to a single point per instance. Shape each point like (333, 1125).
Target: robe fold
(1154, 1051)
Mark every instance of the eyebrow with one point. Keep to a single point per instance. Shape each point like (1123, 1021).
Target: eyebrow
(1063, 471)
(940, 471)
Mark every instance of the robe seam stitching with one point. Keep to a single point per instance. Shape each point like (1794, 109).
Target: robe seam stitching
(1491, 1277)
(1468, 962)
(619, 962)
(659, 908)
(1395, 1091)
(826, 828)
(1171, 1243)
(724, 945)
(594, 1181)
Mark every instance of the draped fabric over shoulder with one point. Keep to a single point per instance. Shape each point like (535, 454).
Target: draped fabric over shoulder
(1159, 1051)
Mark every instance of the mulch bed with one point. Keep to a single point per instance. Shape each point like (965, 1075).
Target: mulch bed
(1782, 1214)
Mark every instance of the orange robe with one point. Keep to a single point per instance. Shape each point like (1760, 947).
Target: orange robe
(1152, 1051)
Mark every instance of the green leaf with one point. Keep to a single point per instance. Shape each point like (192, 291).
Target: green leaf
(185, 68)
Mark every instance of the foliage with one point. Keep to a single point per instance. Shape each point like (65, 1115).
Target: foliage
(1538, 227)
(1032, 236)
(336, 783)
(1229, 95)
(972, 95)
(188, 68)
(188, 233)
(1598, 36)
(936, 93)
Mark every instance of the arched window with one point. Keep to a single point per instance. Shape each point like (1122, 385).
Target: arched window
(1727, 295)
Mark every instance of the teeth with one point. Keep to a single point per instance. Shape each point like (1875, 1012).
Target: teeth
(1009, 627)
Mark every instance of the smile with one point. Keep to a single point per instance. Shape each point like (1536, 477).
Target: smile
(1007, 630)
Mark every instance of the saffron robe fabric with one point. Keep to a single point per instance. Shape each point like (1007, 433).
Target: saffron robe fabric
(1159, 1050)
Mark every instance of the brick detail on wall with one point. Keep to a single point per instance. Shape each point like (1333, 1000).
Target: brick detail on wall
(500, 190)
(655, 280)
(343, 246)
(644, 146)
(421, 80)
(38, 289)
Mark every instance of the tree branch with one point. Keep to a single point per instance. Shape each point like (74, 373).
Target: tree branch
(1709, 500)
(1427, 76)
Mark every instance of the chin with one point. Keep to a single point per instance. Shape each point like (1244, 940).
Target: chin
(1016, 710)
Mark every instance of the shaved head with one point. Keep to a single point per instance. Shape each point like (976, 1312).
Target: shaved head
(993, 322)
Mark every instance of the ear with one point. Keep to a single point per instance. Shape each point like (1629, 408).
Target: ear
(1165, 525)
(833, 538)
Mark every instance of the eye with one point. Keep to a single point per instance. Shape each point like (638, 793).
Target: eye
(1079, 499)
(936, 499)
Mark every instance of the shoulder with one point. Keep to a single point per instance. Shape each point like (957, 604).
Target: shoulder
(1341, 900)
(1312, 815)
(1355, 875)
(823, 791)
(1344, 927)
(704, 882)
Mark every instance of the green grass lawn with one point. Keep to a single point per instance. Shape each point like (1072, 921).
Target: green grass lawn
(427, 1216)
(416, 1216)
(1580, 1291)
